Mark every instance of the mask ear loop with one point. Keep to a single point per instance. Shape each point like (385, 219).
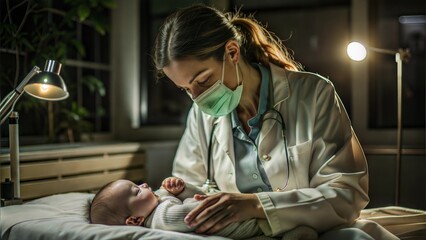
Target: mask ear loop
(238, 74)
(236, 71)
(223, 68)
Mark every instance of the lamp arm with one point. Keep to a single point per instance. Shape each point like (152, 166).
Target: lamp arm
(381, 50)
(7, 104)
(404, 53)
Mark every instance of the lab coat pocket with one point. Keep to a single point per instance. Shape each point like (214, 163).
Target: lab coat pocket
(300, 158)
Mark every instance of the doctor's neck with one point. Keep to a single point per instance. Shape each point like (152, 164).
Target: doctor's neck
(250, 77)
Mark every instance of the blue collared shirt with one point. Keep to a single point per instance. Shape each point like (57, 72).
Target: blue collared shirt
(250, 174)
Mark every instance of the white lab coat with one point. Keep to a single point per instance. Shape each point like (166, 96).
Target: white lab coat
(328, 181)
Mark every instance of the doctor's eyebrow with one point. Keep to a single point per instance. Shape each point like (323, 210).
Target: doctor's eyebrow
(196, 75)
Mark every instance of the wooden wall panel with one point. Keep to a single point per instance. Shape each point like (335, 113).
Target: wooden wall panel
(35, 189)
(75, 166)
(84, 169)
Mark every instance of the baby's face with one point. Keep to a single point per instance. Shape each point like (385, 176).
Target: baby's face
(140, 199)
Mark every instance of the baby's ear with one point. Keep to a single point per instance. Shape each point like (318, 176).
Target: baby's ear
(135, 221)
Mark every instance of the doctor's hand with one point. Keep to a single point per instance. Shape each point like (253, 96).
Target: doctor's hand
(173, 185)
(219, 210)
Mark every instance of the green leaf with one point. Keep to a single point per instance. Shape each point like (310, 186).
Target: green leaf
(61, 50)
(83, 12)
(99, 24)
(99, 28)
(94, 85)
(101, 88)
(79, 47)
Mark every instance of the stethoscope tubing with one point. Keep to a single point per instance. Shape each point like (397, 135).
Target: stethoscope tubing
(210, 174)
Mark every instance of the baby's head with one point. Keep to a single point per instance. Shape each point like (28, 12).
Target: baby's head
(122, 202)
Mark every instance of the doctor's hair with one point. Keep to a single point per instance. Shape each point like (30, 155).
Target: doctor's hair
(102, 212)
(201, 32)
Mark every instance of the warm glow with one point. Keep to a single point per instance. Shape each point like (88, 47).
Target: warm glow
(44, 87)
(356, 51)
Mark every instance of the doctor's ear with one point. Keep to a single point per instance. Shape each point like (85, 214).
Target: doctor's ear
(134, 221)
(232, 50)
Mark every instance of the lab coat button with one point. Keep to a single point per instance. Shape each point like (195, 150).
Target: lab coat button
(266, 157)
(254, 176)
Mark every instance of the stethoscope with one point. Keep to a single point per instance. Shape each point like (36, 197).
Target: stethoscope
(210, 185)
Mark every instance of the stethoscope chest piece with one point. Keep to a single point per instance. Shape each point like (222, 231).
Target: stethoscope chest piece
(209, 186)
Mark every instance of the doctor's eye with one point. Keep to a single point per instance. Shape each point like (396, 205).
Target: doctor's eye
(203, 82)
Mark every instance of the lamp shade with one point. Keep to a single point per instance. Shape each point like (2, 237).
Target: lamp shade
(48, 85)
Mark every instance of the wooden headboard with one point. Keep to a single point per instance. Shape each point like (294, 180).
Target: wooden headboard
(82, 168)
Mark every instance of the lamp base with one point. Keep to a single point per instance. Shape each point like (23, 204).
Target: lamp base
(10, 202)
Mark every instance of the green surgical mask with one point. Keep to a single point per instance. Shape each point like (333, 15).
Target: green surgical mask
(218, 100)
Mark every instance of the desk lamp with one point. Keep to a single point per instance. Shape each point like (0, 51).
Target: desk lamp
(45, 85)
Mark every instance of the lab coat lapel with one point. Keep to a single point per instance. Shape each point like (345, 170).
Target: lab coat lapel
(270, 137)
(224, 164)
(281, 93)
(225, 138)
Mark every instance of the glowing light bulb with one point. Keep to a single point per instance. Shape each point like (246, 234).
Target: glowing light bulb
(356, 51)
(44, 87)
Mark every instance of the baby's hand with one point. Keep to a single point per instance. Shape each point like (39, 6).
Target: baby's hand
(173, 185)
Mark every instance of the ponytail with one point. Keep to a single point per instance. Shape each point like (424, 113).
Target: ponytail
(260, 45)
(201, 32)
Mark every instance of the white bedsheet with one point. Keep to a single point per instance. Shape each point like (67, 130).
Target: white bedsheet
(64, 216)
(405, 223)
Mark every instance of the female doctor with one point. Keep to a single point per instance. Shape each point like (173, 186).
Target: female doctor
(275, 141)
